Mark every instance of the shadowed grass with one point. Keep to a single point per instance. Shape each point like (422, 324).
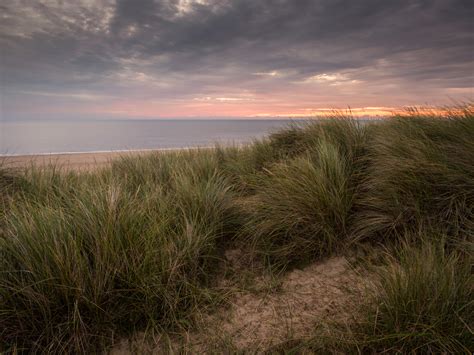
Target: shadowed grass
(422, 302)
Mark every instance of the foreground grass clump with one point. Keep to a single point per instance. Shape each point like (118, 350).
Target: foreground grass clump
(422, 302)
(97, 258)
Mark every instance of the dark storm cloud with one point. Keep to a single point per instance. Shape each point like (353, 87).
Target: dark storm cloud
(384, 27)
(188, 48)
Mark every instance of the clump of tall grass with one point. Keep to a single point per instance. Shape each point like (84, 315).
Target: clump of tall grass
(182, 174)
(243, 165)
(301, 209)
(160, 167)
(422, 302)
(80, 263)
(420, 176)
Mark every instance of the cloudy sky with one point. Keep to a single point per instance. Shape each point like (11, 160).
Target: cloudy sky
(180, 58)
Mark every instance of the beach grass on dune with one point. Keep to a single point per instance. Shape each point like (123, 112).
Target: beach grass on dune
(301, 210)
(421, 176)
(89, 257)
(422, 301)
(90, 253)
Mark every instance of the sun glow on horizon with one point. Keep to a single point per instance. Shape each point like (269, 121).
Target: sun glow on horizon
(233, 112)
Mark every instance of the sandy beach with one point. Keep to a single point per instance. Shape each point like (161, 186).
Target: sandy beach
(76, 161)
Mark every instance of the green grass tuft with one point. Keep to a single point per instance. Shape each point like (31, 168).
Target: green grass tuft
(420, 176)
(422, 302)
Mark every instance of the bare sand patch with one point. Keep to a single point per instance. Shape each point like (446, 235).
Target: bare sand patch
(257, 320)
(307, 296)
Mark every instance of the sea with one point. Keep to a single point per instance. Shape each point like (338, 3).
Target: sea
(47, 137)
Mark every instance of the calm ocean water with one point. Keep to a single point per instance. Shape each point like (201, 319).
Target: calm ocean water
(40, 137)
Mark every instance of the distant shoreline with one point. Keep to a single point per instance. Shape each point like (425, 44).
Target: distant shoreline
(104, 151)
(80, 160)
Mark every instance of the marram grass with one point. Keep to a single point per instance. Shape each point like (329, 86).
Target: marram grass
(420, 176)
(89, 257)
(81, 262)
(302, 207)
(422, 302)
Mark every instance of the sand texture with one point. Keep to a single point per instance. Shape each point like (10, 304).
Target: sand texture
(76, 161)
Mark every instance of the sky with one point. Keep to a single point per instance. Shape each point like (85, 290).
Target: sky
(231, 58)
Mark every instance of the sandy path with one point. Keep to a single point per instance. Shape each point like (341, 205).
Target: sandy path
(256, 321)
(322, 290)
